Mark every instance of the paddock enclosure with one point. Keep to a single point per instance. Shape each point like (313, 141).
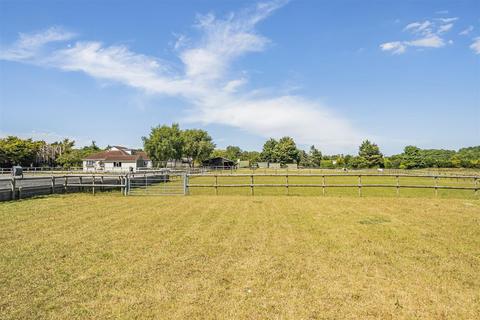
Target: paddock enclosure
(248, 182)
(110, 256)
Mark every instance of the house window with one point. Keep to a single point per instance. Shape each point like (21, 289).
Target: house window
(117, 164)
(90, 163)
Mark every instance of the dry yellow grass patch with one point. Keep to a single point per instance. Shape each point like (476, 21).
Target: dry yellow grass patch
(234, 257)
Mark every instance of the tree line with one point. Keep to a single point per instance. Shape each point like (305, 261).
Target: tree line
(171, 143)
(27, 152)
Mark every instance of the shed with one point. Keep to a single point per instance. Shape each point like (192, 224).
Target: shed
(219, 162)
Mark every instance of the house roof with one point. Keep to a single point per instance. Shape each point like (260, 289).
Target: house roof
(118, 155)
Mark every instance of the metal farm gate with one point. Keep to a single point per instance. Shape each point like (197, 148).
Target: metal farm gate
(168, 183)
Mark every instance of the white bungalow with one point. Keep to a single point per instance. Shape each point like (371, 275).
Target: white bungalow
(118, 159)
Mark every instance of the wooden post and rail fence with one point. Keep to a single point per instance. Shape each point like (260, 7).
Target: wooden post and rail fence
(19, 187)
(323, 185)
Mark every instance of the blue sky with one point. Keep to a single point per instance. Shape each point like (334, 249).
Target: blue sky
(329, 73)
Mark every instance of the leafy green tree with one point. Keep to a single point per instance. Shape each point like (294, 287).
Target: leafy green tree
(268, 151)
(327, 164)
(286, 151)
(469, 157)
(358, 162)
(304, 159)
(315, 156)
(222, 153)
(412, 158)
(233, 153)
(252, 156)
(164, 143)
(16, 151)
(370, 154)
(197, 145)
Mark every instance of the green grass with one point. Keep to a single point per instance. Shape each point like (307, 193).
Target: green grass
(111, 257)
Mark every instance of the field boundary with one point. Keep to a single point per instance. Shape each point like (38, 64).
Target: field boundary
(98, 182)
(287, 185)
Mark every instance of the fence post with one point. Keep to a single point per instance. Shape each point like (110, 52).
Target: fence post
(398, 186)
(216, 184)
(103, 182)
(122, 188)
(53, 184)
(93, 184)
(19, 193)
(436, 185)
(65, 182)
(81, 183)
(187, 181)
(323, 184)
(475, 182)
(251, 184)
(12, 183)
(359, 185)
(288, 191)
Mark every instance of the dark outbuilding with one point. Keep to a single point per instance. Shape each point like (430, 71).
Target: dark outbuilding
(219, 162)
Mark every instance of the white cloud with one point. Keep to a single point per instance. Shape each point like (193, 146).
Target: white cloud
(466, 31)
(206, 81)
(427, 34)
(396, 47)
(445, 28)
(419, 27)
(27, 46)
(234, 85)
(432, 41)
(119, 64)
(475, 46)
(447, 20)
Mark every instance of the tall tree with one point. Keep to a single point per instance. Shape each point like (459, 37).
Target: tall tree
(164, 143)
(268, 153)
(304, 159)
(370, 154)
(197, 145)
(315, 157)
(286, 151)
(412, 158)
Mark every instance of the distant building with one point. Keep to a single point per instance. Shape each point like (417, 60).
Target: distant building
(117, 159)
(219, 162)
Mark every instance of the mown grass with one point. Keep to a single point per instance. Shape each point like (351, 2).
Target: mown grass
(111, 257)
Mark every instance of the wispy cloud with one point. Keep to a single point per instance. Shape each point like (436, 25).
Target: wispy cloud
(28, 47)
(205, 79)
(427, 34)
(475, 46)
(466, 31)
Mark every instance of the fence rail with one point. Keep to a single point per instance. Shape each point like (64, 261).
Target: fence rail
(177, 182)
(287, 185)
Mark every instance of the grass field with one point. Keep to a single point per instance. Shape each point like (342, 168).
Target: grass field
(83, 257)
